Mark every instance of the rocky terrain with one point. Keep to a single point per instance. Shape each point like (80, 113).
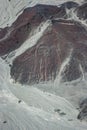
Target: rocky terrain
(61, 38)
(43, 66)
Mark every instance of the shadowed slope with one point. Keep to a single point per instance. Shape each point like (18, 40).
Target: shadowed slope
(12, 37)
(52, 45)
(42, 62)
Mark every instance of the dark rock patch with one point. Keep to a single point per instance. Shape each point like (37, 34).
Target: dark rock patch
(62, 113)
(4, 122)
(10, 65)
(57, 110)
(83, 110)
(70, 119)
(19, 101)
